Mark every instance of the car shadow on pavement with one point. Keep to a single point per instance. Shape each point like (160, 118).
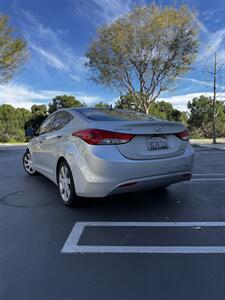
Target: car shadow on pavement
(160, 204)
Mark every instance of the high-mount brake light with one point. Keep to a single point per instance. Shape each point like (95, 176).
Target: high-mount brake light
(103, 137)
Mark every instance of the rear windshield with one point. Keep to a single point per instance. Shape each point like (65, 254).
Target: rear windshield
(114, 115)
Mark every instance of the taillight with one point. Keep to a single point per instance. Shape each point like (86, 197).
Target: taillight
(183, 135)
(103, 137)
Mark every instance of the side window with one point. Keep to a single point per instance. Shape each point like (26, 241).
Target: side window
(61, 119)
(46, 127)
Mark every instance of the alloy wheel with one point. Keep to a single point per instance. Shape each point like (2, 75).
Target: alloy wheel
(28, 164)
(64, 183)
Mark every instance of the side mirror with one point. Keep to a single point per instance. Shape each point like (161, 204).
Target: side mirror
(30, 132)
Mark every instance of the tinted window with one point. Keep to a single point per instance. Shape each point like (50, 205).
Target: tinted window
(61, 119)
(114, 115)
(46, 127)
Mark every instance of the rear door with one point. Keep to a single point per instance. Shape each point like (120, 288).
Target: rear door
(53, 141)
(39, 144)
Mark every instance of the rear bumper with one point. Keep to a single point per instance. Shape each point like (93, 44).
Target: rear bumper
(151, 182)
(98, 175)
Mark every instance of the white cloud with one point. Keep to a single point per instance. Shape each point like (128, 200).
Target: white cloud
(214, 15)
(51, 48)
(25, 96)
(202, 82)
(180, 102)
(200, 25)
(111, 9)
(51, 59)
(102, 11)
(213, 42)
(74, 77)
(38, 29)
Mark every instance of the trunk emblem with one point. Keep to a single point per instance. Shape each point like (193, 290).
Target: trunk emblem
(159, 128)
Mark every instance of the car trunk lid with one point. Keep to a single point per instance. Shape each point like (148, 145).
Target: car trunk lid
(152, 140)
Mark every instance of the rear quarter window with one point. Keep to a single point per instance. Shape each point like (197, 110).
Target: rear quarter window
(61, 120)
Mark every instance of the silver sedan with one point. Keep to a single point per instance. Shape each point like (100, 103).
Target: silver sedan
(90, 152)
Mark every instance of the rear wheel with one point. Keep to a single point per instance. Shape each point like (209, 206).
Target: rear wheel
(27, 163)
(66, 185)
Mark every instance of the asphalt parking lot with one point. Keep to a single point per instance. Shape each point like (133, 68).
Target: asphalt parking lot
(102, 258)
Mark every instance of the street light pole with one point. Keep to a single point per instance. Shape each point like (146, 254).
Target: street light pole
(214, 100)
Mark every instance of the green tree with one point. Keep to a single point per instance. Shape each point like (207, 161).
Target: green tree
(63, 102)
(165, 110)
(101, 105)
(201, 115)
(12, 122)
(39, 109)
(13, 50)
(38, 115)
(159, 109)
(129, 102)
(22, 116)
(144, 52)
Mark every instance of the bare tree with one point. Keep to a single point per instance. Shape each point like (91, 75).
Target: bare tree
(143, 53)
(217, 76)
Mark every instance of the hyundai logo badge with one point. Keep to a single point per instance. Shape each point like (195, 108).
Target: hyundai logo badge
(159, 128)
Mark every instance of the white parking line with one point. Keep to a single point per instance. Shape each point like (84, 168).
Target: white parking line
(71, 245)
(212, 177)
(147, 249)
(208, 179)
(208, 174)
(211, 152)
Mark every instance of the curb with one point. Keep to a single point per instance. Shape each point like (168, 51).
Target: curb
(211, 146)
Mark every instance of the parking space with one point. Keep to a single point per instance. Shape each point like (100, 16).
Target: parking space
(152, 245)
(145, 237)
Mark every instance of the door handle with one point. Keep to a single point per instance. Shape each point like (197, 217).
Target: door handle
(59, 136)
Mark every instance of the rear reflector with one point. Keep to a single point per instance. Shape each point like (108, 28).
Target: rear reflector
(127, 184)
(103, 137)
(183, 135)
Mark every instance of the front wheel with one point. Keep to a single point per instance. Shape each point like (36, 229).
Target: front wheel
(27, 163)
(66, 185)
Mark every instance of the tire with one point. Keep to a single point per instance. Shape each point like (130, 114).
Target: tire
(27, 164)
(66, 185)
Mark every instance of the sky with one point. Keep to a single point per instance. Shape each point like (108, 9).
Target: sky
(58, 33)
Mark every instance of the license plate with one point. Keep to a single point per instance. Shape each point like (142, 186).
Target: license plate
(157, 143)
